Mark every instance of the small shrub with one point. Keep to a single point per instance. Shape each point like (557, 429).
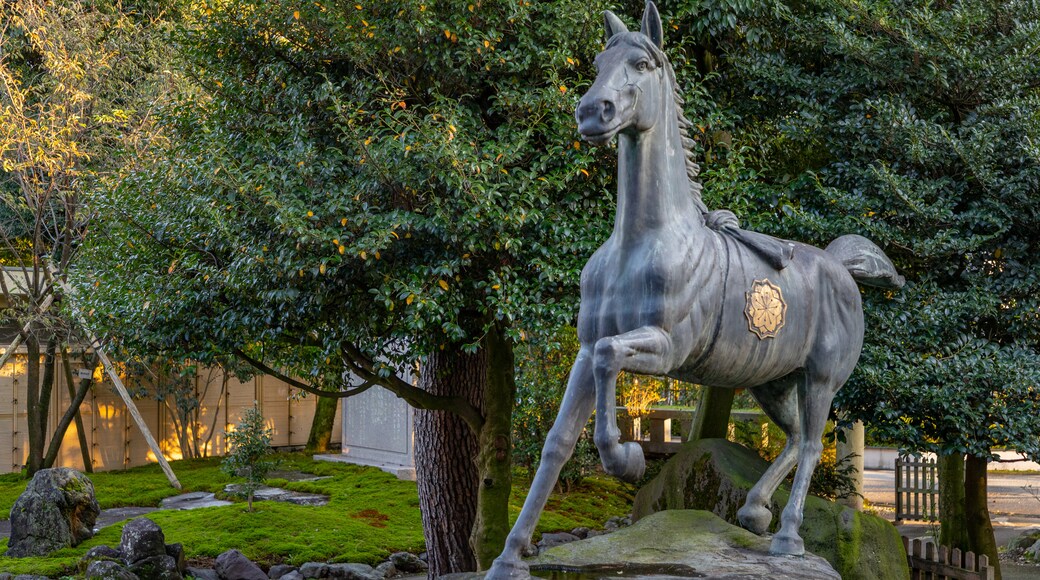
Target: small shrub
(250, 444)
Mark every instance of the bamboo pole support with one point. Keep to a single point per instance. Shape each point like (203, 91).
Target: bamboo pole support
(70, 293)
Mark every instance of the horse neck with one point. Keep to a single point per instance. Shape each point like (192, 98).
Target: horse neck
(653, 188)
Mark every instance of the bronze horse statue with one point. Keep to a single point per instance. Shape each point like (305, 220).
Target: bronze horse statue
(681, 292)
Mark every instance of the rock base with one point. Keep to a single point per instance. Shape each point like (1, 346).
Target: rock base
(716, 475)
(684, 543)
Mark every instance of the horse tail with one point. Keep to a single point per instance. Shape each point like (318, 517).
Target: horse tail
(867, 263)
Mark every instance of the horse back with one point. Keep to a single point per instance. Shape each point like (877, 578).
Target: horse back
(772, 322)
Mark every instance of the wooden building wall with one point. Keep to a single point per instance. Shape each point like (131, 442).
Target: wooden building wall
(114, 439)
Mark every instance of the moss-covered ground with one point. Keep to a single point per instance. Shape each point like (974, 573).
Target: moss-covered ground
(370, 514)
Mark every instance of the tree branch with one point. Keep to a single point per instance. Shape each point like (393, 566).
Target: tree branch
(412, 395)
(260, 366)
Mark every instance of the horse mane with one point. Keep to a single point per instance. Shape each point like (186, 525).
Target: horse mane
(685, 125)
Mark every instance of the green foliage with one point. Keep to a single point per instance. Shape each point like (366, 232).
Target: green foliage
(541, 379)
(403, 171)
(362, 499)
(249, 450)
(916, 126)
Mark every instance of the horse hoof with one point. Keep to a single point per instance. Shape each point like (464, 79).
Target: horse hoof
(787, 545)
(754, 518)
(508, 570)
(635, 464)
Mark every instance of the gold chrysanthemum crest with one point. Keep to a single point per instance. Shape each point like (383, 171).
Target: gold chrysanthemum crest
(766, 309)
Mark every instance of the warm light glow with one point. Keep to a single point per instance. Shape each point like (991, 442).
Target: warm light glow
(15, 367)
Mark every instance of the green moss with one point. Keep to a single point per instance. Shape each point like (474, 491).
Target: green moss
(75, 485)
(588, 504)
(370, 514)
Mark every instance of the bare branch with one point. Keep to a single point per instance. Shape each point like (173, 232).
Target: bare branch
(259, 365)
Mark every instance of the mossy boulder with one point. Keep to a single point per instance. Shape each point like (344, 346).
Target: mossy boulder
(716, 475)
(57, 510)
(681, 543)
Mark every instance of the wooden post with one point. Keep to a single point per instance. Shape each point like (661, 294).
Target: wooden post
(70, 293)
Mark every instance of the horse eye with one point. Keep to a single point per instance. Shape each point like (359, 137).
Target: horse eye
(642, 65)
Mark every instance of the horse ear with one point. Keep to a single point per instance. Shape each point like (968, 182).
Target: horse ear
(652, 25)
(612, 24)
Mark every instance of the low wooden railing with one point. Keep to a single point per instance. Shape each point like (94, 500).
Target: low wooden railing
(917, 489)
(930, 562)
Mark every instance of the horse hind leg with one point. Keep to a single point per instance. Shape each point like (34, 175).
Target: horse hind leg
(816, 400)
(779, 401)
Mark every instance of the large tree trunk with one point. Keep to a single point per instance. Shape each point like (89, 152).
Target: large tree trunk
(445, 449)
(953, 521)
(980, 528)
(321, 427)
(495, 459)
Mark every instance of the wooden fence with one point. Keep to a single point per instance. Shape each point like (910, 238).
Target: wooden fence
(917, 489)
(930, 562)
(113, 438)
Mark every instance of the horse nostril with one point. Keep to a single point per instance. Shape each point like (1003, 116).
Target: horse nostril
(607, 111)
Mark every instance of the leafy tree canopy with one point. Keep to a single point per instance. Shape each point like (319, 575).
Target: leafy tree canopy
(351, 175)
(918, 126)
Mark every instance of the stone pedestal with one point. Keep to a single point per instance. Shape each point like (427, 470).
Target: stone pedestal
(684, 543)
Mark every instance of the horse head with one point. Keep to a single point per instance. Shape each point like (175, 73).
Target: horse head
(631, 87)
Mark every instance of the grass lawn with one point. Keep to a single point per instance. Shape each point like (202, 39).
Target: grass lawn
(370, 514)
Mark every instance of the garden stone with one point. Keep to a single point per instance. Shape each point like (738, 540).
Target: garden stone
(550, 540)
(157, 568)
(294, 575)
(6, 576)
(386, 570)
(31, 577)
(581, 533)
(100, 553)
(408, 563)
(203, 573)
(57, 510)
(142, 538)
(108, 570)
(233, 565)
(352, 572)
(682, 543)
(314, 570)
(1033, 552)
(279, 570)
(1025, 539)
(716, 475)
(176, 551)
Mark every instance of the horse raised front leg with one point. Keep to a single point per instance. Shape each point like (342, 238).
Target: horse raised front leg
(559, 446)
(646, 350)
